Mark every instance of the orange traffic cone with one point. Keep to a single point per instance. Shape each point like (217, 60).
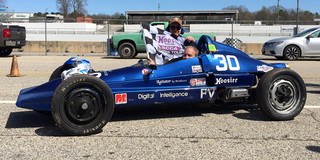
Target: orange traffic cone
(14, 68)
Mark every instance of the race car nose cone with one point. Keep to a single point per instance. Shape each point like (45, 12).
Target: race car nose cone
(84, 106)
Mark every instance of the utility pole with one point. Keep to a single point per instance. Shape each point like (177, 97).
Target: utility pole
(45, 32)
(158, 10)
(278, 6)
(297, 17)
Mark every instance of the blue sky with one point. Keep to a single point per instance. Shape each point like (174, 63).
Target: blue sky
(113, 6)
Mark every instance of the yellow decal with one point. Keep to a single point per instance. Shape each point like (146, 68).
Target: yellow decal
(212, 47)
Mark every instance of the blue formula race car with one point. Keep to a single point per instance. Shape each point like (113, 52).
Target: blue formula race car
(83, 103)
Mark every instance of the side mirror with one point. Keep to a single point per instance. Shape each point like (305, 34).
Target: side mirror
(153, 67)
(309, 36)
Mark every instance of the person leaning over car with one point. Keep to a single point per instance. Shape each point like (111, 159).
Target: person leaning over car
(175, 28)
(189, 52)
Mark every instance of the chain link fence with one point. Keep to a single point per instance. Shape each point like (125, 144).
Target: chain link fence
(7, 19)
(116, 26)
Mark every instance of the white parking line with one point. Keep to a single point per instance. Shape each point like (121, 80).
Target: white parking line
(7, 102)
(13, 102)
(311, 106)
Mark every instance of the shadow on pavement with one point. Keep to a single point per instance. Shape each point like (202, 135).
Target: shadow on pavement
(313, 148)
(191, 110)
(28, 119)
(311, 87)
(46, 126)
(31, 119)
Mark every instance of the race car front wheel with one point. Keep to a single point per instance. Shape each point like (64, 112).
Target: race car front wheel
(281, 94)
(82, 105)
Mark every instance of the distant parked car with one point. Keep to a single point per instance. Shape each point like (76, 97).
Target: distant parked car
(304, 44)
(11, 36)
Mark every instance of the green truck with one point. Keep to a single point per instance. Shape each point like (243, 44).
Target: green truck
(129, 45)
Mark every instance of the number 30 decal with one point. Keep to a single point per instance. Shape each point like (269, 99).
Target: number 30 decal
(227, 62)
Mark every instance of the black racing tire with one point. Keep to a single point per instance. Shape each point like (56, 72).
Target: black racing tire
(291, 52)
(281, 94)
(82, 105)
(56, 73)
(5, 51)
(127, 50)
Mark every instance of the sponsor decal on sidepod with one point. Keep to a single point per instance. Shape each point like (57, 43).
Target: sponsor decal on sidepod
(196, 69)
(226, 80)
(146, 96)
(264, 68)
(121, 98)
(160, 82)
(173, 94)
(208, 91)
(198, 82)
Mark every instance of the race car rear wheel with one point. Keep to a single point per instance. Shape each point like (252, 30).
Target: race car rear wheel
(127, 50)
(281, 94)
(82, 105)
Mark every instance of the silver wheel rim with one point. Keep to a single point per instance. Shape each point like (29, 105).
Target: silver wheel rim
(292, 52)
(283, 96)
(126, 51)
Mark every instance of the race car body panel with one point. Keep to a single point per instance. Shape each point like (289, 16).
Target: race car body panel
(190, 80)
(82, 100)
(38, 97)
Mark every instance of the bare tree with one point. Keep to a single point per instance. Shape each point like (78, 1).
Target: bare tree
(78, 7)
(263, 14)
(244, 13)
(72, 8)
(64, 6)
